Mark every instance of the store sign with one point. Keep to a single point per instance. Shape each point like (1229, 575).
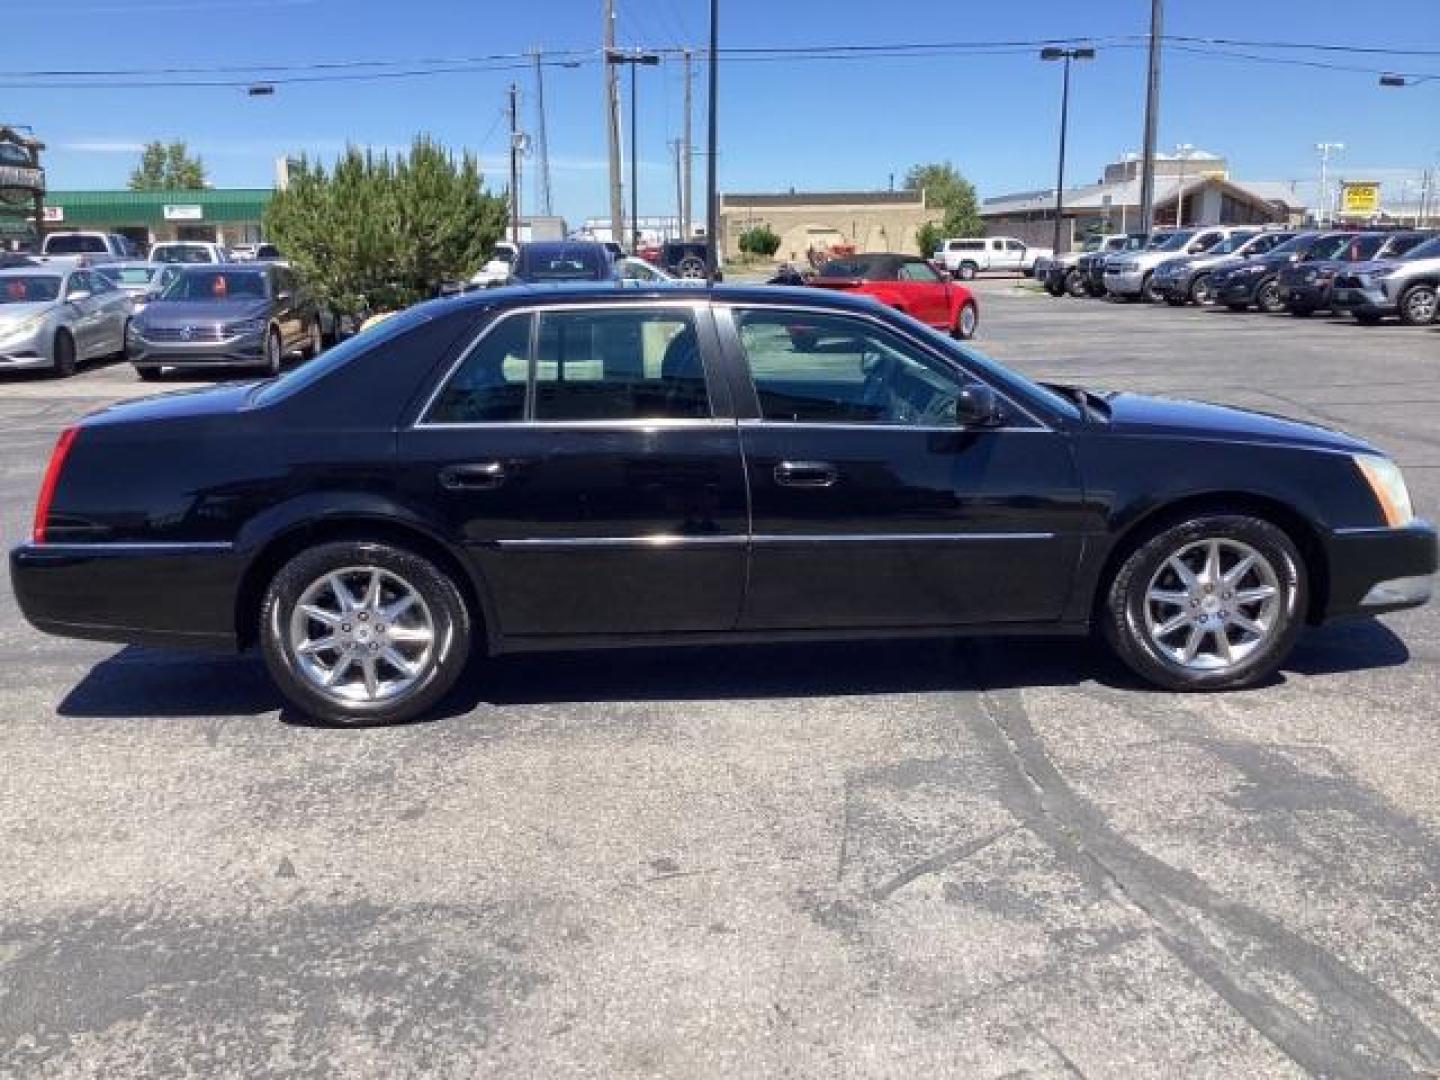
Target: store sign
(20, 180)
(1359, 198)
(184, 212)
(54, 214)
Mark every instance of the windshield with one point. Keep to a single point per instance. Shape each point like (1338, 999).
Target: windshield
(74, 245)
(128, 275)
(1428, 250)
(1138, 242)
(1092, 243)
(216, 285)
(1232, 243)
(872, 269)
(1175, 241)
(29, 289)
(1365, 247)
(1331, 247)
(1294, 244)
(180, 253)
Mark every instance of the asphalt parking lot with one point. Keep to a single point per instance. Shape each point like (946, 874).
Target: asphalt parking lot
(958, 858)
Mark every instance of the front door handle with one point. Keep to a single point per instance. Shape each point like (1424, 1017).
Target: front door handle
(806, 474)
(481, 476)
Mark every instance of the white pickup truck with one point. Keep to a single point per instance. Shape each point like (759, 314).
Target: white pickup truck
(95, 247)
(967, 256)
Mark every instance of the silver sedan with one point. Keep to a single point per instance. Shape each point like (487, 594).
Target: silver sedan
(58, 317)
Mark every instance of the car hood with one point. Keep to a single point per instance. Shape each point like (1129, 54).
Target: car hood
(1139, 414)
(162, 312)
(13, 313)
(179, 404)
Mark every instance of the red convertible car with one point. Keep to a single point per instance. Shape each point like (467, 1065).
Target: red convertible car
(906, 283)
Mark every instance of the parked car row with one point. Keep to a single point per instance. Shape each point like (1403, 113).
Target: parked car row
(1370, 274)
(99, 248)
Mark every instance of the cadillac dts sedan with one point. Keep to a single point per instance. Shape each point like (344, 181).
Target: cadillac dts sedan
(565, 467)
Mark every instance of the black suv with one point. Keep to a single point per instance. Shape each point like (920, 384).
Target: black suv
(1257, 281)
(551, 262)
(1308, 287)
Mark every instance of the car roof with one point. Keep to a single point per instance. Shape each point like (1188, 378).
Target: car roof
(596, 292)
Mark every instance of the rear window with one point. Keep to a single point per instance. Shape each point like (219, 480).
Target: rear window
(127, 275)
(75, 245)
(860, 267)
(560, 264)
(181, 253)
(966, 245)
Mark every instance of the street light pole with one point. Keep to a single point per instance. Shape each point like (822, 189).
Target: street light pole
(1182, 152)
(633, 59)
(1325, 149)
(712, 190)
(1066, 55)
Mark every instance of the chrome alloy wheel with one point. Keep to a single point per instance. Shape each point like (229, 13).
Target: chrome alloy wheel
(968, 320)
(1212, 604)
(361, 634)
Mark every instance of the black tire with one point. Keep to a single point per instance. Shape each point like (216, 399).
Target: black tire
(1419, 305)
(966, 271)
(1201, 291)
(1054, 290)
(314, 343)
(64, 353)
(1268, 297)
(148, 373)
(274, 352)
(443, 662)
(967, 321)
(1123, 616)
(1075, 284)
(1367, 318)
(1175, 301)
(1148, 292)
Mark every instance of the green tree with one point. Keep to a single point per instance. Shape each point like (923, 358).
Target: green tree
(928, 237)
(946, 189)
(167, 167)
(761, 240)
(385, 233)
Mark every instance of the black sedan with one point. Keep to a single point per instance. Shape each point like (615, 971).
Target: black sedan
(539, 469)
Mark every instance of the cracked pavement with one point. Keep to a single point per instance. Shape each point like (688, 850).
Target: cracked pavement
(980, 858)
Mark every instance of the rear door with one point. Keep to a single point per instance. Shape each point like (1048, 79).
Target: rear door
(870, 506)
(588, 462)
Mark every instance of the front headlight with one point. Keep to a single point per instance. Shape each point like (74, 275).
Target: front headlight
(1388, 485)
(22, 328)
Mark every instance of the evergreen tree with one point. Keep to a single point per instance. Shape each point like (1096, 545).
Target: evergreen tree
(167, 168)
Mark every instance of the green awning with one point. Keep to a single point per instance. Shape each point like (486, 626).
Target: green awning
(158, 207)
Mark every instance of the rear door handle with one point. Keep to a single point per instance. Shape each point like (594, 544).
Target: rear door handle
(481, 476)
(806, 474)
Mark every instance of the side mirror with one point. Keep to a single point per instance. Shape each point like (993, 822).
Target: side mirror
(76, 295)
(977, 406)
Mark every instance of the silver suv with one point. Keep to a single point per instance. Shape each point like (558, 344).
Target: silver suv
(1132, 274)
(1405, 287)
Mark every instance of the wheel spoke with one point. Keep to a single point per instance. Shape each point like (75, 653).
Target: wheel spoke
(1169, 626)
(332, 676)
(1255, 595)
(1166, 596)
(1237, 573)
(398, 662)
(1222, 645)
(316, 645)
(410, 635)
(1183, 572)
(372, 678)
(399, 607)
(1250, 626)
(1212, 563)
(320, 615)
(371, 601)
(342, 593)
(1192, 643)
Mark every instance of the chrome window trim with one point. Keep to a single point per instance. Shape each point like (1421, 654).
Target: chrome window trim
(670, 422)
(729, 307)
(847, 425)
(690, 303)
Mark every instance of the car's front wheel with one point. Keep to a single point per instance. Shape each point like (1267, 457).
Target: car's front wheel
(363, 633)
(64, 350)
(1148, 292)
(1269, 298)
(1075, 284)
(1212, 603)
(1201, 291)
(967, 321)
(274, 352)
(1418, 305)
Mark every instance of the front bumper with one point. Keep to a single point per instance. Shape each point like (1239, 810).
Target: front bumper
(243, 349)
(1311, 295)
(1369, 301)
(1374, 570)
(141, 594)
(26, 351)
(1242, 291)
(1173, 286)
(1124, 282)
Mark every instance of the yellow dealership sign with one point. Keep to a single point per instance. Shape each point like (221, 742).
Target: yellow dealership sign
(1359, 197)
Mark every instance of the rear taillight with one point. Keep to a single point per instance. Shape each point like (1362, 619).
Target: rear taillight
(52, 477)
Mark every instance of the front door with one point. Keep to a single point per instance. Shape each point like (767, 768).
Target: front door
(582, 461)
(926, 294)
(871, 507)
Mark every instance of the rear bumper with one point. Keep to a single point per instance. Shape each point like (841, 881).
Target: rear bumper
(141, 594)
(1374, 570)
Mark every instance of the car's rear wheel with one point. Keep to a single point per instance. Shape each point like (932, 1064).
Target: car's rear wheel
(363, 633)
(1075, 284)
(966, 271)
(64, 353)
(967, 321)
(691, 267)
(274, 352)
(1212, 603)
(1418, 305)
(1201, 291)
(1148, 292)
(1268, 297)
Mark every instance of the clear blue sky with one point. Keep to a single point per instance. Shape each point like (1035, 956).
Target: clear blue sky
(839, 124)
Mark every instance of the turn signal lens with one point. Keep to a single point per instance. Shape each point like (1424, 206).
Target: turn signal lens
(52, 477)
(1384, 478)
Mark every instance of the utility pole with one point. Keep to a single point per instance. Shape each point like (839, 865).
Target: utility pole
(541, 143)
(677, 147)
(1152, 116)
(687, 155)
(1325, 149)
(634, 175)
(612, 125)
(712, 185)
(514, 165)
